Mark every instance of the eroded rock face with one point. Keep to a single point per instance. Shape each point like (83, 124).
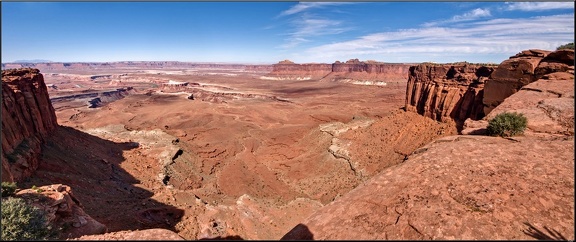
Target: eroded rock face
(290, 69)
(351, 69)
(27, 118)
(459, 92)
(447, 92)
(63, 210)
(510, 76)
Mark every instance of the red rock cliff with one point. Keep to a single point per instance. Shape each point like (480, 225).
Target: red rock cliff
(370, 70)
(510, 76)
(27, 118)
(351, 69)
(447, 92)
(287, 68)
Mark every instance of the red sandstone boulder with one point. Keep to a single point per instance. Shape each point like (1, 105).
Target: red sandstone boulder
(63, 210)
(521, 69)
(557, 61)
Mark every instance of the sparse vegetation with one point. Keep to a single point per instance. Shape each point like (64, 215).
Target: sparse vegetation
(22, 221)
(38, 190)
(507, 124)
(8, 188)
(569, 46)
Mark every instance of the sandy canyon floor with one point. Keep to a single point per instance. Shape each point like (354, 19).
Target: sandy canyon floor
(247, 158)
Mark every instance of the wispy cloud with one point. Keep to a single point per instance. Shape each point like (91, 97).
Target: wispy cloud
(538, 6)
(300, 7)
(468, 16)
(482, 37)
(308, 27)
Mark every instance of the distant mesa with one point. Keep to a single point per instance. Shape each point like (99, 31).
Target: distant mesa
(286, 62)
(353, 70)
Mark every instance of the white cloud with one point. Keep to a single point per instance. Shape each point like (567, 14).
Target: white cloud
(307, 27)
(489, 37)
(300, 7)
(472, 15)
(538, 6)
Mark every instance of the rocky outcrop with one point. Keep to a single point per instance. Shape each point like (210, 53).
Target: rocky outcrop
(447, 92)
(547, 103)
(459, 188)
(63, 210)
(352, 69)
(511, 75)
(463, 91)
(197, 93)
(27, 119)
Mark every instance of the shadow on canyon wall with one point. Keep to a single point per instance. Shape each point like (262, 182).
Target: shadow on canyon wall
(91, 166)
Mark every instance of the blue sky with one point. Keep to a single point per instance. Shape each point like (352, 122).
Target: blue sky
(268, 32)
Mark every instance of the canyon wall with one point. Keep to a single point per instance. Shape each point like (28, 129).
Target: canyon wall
(351, 69)
(448, 91)
(288, 69)
(27, 119)
(457, 92)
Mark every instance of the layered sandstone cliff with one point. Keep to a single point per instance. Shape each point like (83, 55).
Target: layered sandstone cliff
(369, 70)
(291, 70)
(447, 92)
(457, 92)
(351, 70)
(27, 119)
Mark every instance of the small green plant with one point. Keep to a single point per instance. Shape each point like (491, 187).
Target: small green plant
(569, 46)
(8, 188)
(38, 190)
(507, 124)
(22, 221)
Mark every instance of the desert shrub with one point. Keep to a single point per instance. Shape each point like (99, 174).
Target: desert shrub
(22, 221)
(507, 124)
(8, 189)
(569, 46)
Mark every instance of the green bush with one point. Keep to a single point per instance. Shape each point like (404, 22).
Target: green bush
(22, 221)
(569, 46)
(8, 189)
(507, 124)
